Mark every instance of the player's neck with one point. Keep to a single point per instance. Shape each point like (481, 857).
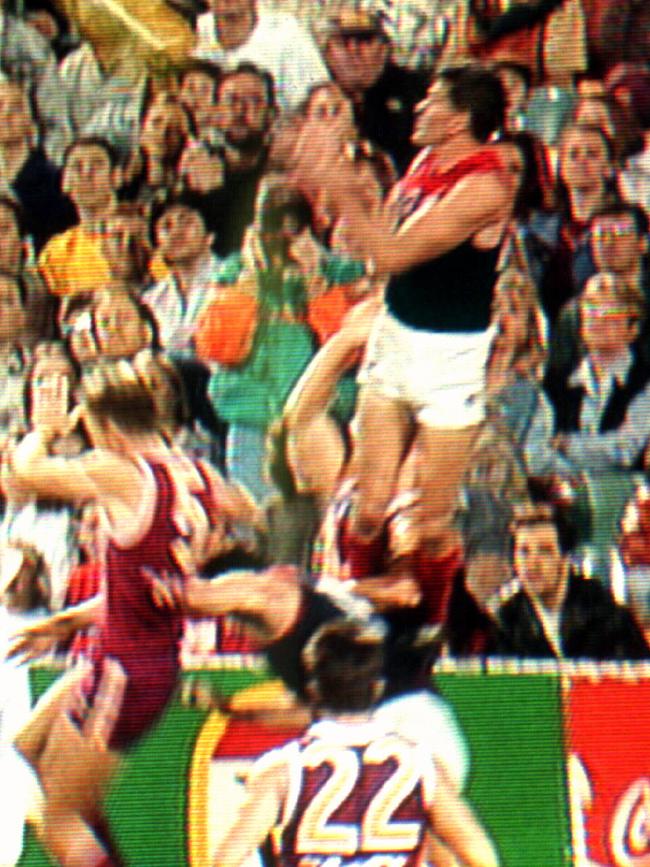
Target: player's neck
(454, 149)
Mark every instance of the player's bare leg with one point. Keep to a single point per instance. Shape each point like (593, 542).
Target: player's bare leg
(384, 433)
(446, 454)
(74, 765)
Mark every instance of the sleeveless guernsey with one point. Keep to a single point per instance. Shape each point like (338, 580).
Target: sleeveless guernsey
(453, 292)
(143, 638)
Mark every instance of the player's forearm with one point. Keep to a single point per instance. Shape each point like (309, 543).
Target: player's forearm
(480, 853)
(30, 457)
(315, 389)
(389, 592)
(226, 594)
(81, 616)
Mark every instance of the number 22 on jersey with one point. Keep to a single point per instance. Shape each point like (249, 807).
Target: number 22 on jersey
(366, 786)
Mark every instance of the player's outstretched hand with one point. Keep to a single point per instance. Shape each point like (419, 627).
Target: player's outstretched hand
(38, 639)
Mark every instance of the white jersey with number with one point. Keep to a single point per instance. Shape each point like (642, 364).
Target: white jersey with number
(359, 796)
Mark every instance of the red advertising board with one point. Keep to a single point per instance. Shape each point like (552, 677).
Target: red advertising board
(607, 724)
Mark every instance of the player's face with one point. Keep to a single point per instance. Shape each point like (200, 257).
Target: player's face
(538, 561)
(436, 117)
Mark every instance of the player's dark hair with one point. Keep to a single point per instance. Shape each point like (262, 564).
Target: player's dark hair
(344, 661)
(480, 92)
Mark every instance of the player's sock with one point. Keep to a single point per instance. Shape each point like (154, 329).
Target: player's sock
(362, 557)
(437, 575)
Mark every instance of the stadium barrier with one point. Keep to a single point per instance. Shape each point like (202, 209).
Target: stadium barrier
(560, 770)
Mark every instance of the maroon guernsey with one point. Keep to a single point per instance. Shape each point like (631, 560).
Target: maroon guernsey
(358, 795)
(142, 637)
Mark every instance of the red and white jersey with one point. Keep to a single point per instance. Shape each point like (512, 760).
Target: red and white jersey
(424, 183)
(359, 794)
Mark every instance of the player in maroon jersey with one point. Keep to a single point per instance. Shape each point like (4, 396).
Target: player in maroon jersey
(351, 791)
(438, 239)
(150, 500)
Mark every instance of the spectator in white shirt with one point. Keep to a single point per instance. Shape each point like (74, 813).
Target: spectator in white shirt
(236, 31)
(185, 244)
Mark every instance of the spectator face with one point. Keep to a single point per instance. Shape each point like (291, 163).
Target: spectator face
(16, 123)
(120, 329)
(88, 177)
(51, 384)
(197, 92)
(616, 244)
(245, 111)
(278, 239)
(225, 9)
(538, 561)
(329, 103)
(182, 236)
(11, 244)
(125, 247)
(199, 169)
(512, 315)
(436, 117)
(583, 160)
(13, 319)
(607, 325)
(356, 61)
(165, 129)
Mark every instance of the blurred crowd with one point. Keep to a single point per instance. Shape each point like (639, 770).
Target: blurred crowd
(148, 213)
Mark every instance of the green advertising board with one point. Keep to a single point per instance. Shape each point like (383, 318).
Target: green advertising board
(513, 726)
